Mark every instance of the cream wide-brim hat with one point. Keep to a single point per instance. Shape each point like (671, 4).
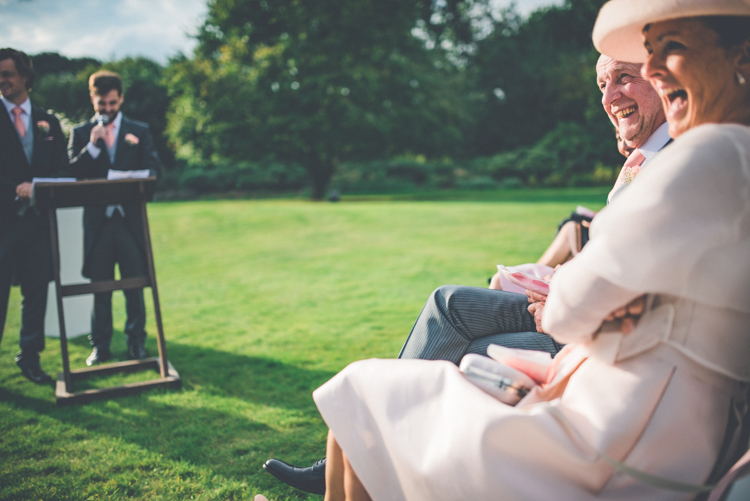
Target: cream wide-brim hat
(619, 25)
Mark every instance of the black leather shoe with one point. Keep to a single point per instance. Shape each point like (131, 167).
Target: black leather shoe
(137, 352)
(98, 356)
(312, 479)
(32, 371)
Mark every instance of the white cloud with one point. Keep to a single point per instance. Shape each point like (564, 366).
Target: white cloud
(113, 29)
(104, 29)
(526, 7)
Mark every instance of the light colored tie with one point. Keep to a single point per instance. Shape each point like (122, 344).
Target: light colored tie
(631, 169)
(110, 135)
(18, 122)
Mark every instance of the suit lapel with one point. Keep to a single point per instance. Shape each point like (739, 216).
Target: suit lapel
(36, 116)
(120, 151)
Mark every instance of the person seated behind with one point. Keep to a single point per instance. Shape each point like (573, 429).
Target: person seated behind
(572, 236)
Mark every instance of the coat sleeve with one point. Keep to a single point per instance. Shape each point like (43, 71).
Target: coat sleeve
(81, 165)
(7, 189)
(7, 183)
(579, 300)
(681, 229)
(150, 159)
(59, 155)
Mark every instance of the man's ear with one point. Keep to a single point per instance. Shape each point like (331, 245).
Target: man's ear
(743, 59)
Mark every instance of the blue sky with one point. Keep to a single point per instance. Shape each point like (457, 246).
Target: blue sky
(104, 29)
(113, 29)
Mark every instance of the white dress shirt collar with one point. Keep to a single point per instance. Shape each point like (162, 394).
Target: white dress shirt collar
(25, 106)
(117, 121)
(656, 142)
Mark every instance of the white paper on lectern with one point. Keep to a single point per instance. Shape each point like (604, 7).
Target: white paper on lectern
(53, 180)
(127, 174)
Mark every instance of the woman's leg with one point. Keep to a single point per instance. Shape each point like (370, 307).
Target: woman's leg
(342, 484)
(574, 238)
(562, 247)
(495, 282)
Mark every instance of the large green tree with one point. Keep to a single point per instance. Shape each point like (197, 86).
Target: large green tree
(535, 73)
(319, 82)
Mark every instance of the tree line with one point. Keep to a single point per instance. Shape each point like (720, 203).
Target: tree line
(360, 95)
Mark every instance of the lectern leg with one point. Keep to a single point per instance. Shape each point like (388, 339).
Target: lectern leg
(58, 292)
(164, 366)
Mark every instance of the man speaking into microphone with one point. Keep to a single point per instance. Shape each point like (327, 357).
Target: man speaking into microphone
(113, 234)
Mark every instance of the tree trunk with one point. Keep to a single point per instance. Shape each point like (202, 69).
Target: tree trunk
(321, 173)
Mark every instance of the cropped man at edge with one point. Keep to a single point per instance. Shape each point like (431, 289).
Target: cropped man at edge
(113, 234)
(457, 320)
(31, 145)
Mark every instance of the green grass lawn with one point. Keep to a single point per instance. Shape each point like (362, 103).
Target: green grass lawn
(262, 302)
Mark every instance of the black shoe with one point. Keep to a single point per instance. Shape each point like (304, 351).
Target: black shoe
(98, 356)
(31, 369)
(312, 479)
(137, 351)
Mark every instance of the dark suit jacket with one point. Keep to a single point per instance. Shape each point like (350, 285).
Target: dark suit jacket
(127, 157)
(47, 160)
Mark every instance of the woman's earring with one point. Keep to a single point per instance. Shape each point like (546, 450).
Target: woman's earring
(740, 78)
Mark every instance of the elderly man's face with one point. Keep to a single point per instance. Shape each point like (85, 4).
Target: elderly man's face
(631, 102)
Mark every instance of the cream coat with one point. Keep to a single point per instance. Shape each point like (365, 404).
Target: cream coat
(664, 400)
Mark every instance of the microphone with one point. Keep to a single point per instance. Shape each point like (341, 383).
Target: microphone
(102, 120)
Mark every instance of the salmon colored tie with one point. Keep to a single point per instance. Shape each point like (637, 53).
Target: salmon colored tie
(110, 135)
(18, 122)
(631, 169)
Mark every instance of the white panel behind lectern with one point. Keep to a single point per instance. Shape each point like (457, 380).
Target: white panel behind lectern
(77, 308)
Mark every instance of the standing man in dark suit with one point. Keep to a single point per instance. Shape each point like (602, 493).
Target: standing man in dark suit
(113, 234)
(31, 145)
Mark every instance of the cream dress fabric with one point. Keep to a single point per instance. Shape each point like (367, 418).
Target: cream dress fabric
(664, 400)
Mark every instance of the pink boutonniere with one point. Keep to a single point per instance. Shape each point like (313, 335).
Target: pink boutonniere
(43, 126)
(131, 139)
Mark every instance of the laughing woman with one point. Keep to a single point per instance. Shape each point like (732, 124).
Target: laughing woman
(647, 415)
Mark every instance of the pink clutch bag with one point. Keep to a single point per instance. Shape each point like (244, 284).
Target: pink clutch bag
(510, 374)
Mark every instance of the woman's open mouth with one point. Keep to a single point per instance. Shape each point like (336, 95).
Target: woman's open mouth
(676, 100)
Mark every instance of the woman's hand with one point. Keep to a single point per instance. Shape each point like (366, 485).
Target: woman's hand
(628, 315)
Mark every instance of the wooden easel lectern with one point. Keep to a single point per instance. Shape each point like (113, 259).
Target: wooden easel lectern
(53, 196)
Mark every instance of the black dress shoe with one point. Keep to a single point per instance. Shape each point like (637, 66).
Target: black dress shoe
(312, 479)
(32, 371)
(137, 352)
(98, 356)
